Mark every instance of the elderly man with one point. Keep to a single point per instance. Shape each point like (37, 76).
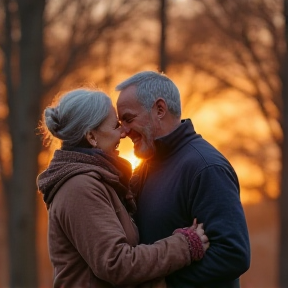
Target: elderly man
(182, 177)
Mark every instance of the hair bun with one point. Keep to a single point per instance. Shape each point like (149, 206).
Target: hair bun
(52, 120)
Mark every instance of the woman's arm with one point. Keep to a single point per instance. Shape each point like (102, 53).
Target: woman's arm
(90, 222)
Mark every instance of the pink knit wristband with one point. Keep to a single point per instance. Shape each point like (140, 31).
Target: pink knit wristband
(195, 244)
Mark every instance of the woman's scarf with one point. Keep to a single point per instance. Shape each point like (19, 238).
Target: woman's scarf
(66, 163)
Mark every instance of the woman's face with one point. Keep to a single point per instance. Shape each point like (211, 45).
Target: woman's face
(108, 134)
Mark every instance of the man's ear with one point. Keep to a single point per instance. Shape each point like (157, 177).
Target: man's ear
(91, 138)
(161, 107)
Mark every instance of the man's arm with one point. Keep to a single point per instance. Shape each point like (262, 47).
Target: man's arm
(214, 201)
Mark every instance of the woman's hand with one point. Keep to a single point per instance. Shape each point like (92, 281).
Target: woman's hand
(199, 230)
(197, 240)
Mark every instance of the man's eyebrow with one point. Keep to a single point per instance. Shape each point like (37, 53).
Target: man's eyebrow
(127, 116)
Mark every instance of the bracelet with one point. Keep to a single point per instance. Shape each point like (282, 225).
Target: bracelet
(194, 242)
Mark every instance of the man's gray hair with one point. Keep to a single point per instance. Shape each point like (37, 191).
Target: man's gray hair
(77, 112)
(151, 85)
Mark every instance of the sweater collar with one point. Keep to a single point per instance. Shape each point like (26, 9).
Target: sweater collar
(170, 143)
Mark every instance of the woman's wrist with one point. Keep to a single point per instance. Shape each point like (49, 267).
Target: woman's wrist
(194, 242)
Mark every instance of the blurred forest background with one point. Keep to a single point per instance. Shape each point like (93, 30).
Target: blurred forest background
(229, 60)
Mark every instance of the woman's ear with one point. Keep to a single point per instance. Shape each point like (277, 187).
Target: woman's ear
(161, 107)
(91, 138)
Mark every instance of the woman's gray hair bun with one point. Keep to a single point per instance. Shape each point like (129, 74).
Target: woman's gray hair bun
(52, 121)
(74, 114)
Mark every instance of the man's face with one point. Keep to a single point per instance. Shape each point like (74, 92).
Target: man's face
(137, 123)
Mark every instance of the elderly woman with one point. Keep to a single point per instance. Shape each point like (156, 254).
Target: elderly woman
(93, 241)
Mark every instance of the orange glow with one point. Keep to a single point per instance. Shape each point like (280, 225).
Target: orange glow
(5, 154)
(46, 155)
(3, 111)
(273, 189)
(132, 159)
(249, 196)
(126, 151)
(43, 159)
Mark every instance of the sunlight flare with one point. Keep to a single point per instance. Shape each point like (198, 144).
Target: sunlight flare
(132, 159)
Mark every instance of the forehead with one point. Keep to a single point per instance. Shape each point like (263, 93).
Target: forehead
(111, 117)
(127, 102)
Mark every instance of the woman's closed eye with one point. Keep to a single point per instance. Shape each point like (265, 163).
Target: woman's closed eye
(118, 125)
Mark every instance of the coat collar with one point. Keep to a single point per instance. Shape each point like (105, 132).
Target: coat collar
(169, 144)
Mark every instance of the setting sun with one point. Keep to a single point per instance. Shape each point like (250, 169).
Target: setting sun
(132, 159)
(126, 151)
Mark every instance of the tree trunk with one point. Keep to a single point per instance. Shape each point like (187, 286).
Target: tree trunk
(163, 24)
(283, 200)
(23, 93)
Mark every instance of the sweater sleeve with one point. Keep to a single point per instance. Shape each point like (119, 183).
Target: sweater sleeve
(215, 201)
(89, 220)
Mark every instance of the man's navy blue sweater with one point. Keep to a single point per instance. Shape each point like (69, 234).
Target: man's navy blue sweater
(186, 179)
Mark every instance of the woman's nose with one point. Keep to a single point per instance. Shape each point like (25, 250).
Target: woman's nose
(124, 131)
(123, 135)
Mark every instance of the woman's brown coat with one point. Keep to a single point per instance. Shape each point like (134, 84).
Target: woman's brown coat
(93, 240)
